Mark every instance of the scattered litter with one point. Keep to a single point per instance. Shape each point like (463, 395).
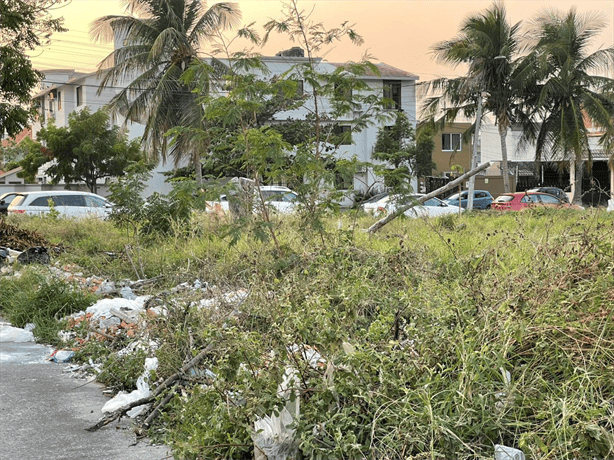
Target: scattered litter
(309, 354)
(273, 436)
(228, 298)
(122, 398)
(507, 453)
(33, 255)
(127, 293)
(62, 356)
(106, 287)
(103, 307)
(15, 334)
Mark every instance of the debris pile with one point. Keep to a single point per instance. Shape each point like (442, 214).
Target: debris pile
(19, 239)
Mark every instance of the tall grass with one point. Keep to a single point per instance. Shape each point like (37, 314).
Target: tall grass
(439, 338)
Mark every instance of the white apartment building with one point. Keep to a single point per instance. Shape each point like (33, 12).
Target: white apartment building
(65, 91)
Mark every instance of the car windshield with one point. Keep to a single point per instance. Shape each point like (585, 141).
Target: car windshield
(375, 198)
(455, 196)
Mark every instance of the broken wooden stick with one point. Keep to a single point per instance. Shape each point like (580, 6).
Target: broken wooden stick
(390, 217)
(106, 419)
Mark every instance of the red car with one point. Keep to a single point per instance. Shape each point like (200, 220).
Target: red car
(521, 200)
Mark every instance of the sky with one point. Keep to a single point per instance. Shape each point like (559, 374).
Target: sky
(400, 33)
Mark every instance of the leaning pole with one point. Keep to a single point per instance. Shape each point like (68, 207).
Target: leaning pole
(390, 217)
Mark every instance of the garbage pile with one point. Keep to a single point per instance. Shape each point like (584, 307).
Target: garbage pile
(23, 246)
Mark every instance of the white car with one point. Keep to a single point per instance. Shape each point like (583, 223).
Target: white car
(376, 204)
(432, 207)
(67, 203)
(280, 199)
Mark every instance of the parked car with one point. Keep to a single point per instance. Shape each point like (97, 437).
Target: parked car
(557, 192)
(278, 198)
(522, 200)
(5, 200)
(481, 199)
(373, 204)
(66, 203)
(432, 207)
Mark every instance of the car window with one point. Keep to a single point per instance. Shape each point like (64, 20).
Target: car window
(453, 197)
(375, 198)
(432, 202)
(549, 199)
(528, 199)
(8, 199)
(95, 202)
(69, 200)
(289, 196)
(42, 201)
(504, 199)
(480, 195)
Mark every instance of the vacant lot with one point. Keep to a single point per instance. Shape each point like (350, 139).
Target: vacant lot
(430, 339)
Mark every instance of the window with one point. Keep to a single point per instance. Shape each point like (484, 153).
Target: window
(451, 142)
(547, 199)
(300, 90)
(343, 181)
(392, 91)
(343, 93)
(69, 200)
(345, 134)
(94, 202)
(79, 95)
(42, 201)
(59, 100)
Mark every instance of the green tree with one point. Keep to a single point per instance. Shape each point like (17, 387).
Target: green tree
(34, 156)
(564, 90)
(27, 154)
(405, 154)
(487, 43)
(24, 25)
(160, 40)
(88, 149)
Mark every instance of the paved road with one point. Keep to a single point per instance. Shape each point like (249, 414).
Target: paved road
(44, 413)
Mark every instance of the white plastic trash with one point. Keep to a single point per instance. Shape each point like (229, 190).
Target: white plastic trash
(122, 399)
(507, 453)
(15, 334)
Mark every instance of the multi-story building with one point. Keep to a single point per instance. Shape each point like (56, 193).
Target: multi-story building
(63, 92)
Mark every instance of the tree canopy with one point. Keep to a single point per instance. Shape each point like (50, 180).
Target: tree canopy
(158, 40)
(88, 149)
(24, 25)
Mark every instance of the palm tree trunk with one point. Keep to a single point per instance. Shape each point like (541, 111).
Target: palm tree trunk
(575, 179)
(198, 170)
(504, 166)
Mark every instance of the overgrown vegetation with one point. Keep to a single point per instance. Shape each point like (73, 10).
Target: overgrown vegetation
(34, 298)
(438, 338)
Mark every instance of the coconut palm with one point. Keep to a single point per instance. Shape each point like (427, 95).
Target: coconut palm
(563, 90)
(488, 44)
(155, 42)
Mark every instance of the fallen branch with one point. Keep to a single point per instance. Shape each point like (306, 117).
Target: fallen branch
(154, 414)
(450, 185)
(106, 419)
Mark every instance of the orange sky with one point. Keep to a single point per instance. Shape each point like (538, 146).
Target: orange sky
(398, 32)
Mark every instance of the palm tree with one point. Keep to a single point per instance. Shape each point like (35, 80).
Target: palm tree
(487, 43)
(563, 90)
(159, 41)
